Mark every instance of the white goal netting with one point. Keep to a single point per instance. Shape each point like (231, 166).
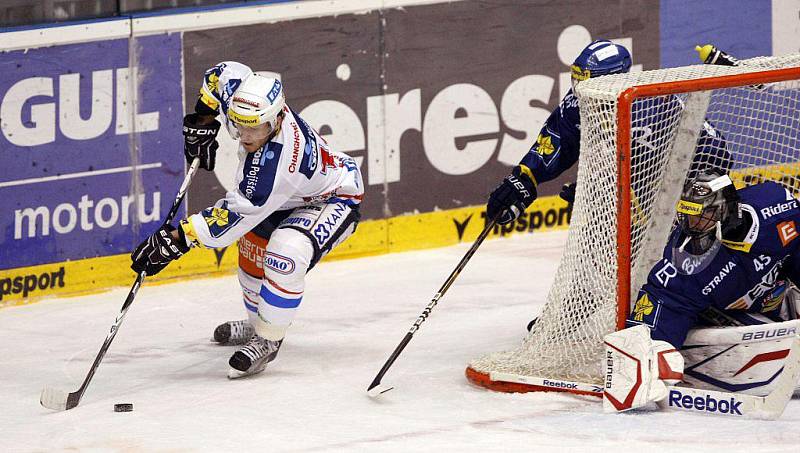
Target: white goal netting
(752, 130)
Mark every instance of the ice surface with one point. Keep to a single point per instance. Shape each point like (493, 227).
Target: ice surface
(313, 397)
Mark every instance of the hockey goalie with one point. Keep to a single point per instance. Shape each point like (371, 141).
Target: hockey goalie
(720, 310)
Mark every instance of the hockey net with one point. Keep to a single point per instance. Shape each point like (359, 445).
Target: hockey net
(641, 136)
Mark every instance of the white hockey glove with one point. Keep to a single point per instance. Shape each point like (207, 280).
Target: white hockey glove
(638, 369)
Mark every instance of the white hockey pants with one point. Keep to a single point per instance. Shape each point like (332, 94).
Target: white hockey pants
(300, 240)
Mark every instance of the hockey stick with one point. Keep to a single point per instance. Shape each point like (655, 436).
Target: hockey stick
(768, 407)
(376, 388)
(59, 400)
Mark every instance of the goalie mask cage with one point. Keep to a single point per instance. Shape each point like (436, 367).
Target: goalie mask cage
(642, 135)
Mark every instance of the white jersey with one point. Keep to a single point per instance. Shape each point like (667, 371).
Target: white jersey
(295, 168)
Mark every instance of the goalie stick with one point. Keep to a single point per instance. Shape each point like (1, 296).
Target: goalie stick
(376, 388)
(60, 400)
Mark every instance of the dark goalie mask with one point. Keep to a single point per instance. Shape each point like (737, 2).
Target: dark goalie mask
(706, 201)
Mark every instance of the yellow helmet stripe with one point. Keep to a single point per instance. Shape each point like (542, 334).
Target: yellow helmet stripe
(245, 120)
(580, 74)
(689, 208)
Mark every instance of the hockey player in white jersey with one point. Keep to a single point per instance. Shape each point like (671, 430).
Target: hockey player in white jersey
(295, 200)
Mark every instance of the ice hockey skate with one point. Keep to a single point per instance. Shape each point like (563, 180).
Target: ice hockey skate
(233, 333)
(253, 357)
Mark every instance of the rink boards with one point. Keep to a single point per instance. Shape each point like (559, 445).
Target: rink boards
(401, 233)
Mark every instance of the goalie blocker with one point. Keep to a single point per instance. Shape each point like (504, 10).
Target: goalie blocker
(755, 370)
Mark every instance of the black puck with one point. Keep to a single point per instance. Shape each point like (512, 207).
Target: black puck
(123, 407)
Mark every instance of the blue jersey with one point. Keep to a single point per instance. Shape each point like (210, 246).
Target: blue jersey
(749, 275)
(558, 144)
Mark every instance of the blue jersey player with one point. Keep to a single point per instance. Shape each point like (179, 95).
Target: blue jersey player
(557, 146)
(732, 260)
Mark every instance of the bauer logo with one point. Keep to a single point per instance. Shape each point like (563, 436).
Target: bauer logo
(279, 263)
(769, 333)
(706, 403)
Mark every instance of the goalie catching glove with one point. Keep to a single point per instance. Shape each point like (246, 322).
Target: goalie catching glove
(155, 252)
(200, 140)
(512, 196)
(638, 369)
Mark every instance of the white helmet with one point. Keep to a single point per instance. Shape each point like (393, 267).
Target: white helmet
(258, 100)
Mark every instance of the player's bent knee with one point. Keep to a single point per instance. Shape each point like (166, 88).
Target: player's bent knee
(286, 262)
(288, 257)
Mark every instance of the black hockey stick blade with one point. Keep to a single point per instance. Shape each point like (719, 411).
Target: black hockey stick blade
(376, 390)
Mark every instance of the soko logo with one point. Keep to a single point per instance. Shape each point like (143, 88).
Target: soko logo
(279, 263)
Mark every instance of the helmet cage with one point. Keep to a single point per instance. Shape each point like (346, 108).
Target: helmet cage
(704, 203)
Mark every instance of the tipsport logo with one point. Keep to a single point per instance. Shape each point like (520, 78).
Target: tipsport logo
(26, 284)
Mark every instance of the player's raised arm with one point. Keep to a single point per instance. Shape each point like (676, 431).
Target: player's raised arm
(200, 128)
(557, 146)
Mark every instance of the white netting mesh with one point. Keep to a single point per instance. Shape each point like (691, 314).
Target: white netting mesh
(761, 126)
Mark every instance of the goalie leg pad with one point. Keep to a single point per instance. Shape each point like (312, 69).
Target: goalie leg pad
(636, 368)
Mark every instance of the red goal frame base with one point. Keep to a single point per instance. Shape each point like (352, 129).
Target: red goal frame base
(485, 380)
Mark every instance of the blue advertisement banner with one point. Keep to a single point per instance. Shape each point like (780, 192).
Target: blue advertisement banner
(687, 23)
(89, 162)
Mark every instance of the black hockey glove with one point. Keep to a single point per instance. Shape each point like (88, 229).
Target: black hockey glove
(200, 140)
(512, 196)
(158, 250)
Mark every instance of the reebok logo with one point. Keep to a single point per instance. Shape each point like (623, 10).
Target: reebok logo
(559, 384)
(707, 404)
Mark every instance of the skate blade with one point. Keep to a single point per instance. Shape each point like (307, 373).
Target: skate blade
(233, 373)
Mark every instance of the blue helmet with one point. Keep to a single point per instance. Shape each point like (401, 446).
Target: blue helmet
(599, 58)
